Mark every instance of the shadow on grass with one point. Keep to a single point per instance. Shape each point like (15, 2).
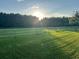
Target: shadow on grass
(41, 46)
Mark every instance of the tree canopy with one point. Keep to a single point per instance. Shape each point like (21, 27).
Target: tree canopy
(18, 20)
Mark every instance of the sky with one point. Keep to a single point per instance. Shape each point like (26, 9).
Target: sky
(45, 7)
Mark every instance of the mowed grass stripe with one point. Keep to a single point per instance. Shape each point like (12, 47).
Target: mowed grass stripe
(68, 39)
(42, 47)
(68, 43)
(19, 33)
(38, 44)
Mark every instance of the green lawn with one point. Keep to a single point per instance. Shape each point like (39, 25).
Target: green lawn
(35, 43)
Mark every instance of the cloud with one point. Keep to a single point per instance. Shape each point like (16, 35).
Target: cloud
(35, 7)
(32, 9)
(58, 15)
(20, 0)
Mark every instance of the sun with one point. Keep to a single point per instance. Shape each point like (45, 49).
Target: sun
(36, 11)
(38, 14)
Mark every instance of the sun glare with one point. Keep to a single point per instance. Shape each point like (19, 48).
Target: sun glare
(38, 14)
(37, 11)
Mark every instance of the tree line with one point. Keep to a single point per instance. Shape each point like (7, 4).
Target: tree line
(17, 20)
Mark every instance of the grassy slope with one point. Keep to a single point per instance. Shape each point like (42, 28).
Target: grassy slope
(38, 44)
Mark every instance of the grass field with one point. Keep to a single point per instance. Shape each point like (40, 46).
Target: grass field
(36, 43)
